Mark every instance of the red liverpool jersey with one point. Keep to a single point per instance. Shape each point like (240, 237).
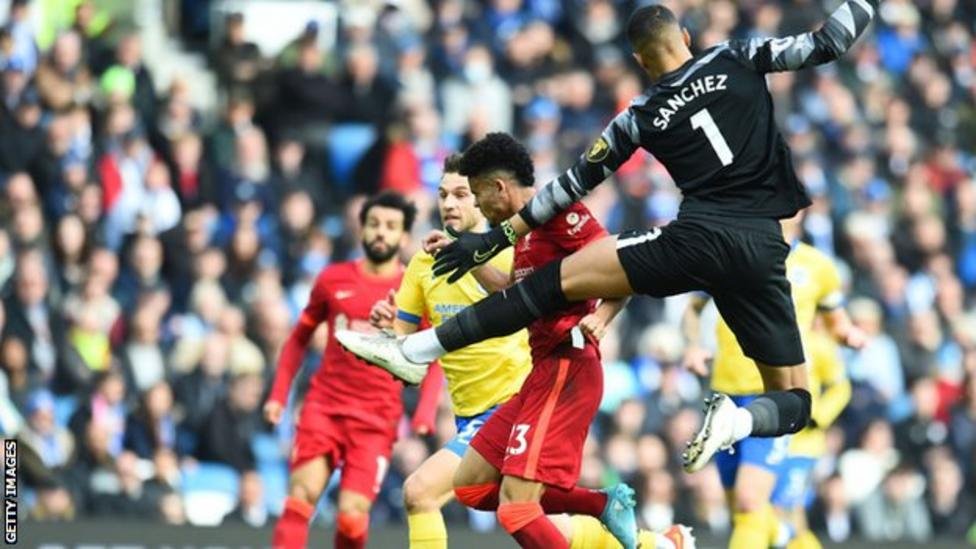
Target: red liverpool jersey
(342, 296)
(559, 237)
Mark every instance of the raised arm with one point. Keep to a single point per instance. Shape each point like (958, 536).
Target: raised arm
(612, 148)
(824, 45)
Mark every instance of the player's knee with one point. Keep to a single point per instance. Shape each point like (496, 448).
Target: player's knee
(748, 501)
(352, 524)
(303, 491)
(805, 411)
(418, 496)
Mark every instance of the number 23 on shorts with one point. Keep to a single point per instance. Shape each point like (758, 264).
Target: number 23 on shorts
(517, 442)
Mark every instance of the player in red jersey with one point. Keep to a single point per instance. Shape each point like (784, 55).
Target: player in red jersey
(527, 456)
(351, 410)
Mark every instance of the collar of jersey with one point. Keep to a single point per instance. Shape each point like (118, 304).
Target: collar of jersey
(670, 75)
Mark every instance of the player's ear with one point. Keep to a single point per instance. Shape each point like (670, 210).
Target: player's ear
(639, 60)
(686, 36)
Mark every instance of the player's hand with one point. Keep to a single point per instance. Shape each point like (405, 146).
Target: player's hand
(696, 360)
(468, 251)
(594, 326)
(383, 312)
(273, 410)
(435, 241)
(855, 338)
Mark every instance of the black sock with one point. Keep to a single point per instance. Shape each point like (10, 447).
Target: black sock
(780, 413)
(506, 312)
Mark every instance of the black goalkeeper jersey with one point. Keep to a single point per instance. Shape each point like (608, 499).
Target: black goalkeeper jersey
(711, 124)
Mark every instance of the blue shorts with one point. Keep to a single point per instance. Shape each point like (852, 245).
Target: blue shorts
(794, 486)
(467, 428)
(765, 453)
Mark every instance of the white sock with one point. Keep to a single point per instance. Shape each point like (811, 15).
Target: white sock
(741, 424)
(422, 347)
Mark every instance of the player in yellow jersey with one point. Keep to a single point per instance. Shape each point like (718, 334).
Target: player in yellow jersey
(831, 390)
(750, 470)
(479, 378)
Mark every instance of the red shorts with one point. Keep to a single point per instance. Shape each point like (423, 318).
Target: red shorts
(362, 450)
(539, 434)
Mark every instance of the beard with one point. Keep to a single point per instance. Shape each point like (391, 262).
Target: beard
(380, 255)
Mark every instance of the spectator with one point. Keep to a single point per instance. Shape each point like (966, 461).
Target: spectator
(47, 456)
(952, 507)
(152, 427)
(237, 61)
(33, 320)
(369, 96)
(479, 92)
(142, 357)
(128, 54)
(71, 248)
(307, 98)
(251, 509)
(23, 133)
(226, 434)
(199, 391)
(896, 511)
(143, 272)
(62, 77)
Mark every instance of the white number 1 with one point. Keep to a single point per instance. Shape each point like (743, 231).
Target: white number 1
(702, 120)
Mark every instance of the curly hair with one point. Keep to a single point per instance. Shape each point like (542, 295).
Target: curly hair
(498, 151)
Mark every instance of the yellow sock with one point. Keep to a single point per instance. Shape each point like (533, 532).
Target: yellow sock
(427, 530)
(589, 533)
(804, 540)
(752, 530)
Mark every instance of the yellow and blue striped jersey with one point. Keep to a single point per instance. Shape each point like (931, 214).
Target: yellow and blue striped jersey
(478, 376)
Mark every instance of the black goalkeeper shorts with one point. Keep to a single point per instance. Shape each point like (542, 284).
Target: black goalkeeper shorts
(740, 262)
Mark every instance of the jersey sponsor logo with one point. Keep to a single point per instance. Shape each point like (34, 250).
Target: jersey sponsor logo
(523, 272)
(480, 257)
(344, 294)
(448, 310)
(577, 222)
(684, 96)
(598, 151)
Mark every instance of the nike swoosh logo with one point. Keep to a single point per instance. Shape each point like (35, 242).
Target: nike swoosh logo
(343, 294)
(482, 257)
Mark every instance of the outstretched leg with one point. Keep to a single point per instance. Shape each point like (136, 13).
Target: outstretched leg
(592, 272)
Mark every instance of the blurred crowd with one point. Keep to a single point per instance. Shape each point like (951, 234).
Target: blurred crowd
(153, 256)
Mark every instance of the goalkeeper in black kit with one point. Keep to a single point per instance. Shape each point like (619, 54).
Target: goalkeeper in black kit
(709, 119)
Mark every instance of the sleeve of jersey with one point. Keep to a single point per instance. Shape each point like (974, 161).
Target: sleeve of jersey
(831, 288)
(293, 351)
(410, 296)
(824, 45)
(615, 145)
(836, 387)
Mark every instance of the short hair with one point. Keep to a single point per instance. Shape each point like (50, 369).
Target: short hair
(648, 25)
(498, 151)
(452, 164)
(394, 201)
